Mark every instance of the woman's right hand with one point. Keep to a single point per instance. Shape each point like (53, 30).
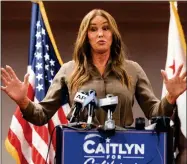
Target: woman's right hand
(14, 88)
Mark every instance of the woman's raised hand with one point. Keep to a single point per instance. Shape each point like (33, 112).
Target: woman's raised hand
(14, 88)
(176, 85)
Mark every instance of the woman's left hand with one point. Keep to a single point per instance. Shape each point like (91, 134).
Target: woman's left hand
(176, 85)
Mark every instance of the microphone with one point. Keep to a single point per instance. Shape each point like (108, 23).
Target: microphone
(78, 105)
(91, 105)
(109, 103)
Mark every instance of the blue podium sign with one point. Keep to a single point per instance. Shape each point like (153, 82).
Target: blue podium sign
(125, 147)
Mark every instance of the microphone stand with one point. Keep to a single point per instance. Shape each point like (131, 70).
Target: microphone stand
(91, 107)
(108, 104)
(109, 123)
(75, 122)
(75, 114)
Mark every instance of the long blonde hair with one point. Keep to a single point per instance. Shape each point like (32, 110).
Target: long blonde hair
(81, 54)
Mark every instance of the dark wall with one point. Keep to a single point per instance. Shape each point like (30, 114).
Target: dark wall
(143, 26)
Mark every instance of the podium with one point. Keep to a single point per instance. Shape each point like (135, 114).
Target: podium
(124, 147)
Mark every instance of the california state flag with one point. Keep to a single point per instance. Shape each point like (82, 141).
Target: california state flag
(175, 56)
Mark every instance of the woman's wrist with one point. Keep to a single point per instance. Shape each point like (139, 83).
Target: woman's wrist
(171, 99)
(23, 103)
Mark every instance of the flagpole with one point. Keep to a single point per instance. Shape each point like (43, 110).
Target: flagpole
(48, 28)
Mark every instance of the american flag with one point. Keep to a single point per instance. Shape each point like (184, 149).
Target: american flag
(26, 142)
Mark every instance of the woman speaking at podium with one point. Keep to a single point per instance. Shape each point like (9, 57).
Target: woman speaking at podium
(99, 63)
